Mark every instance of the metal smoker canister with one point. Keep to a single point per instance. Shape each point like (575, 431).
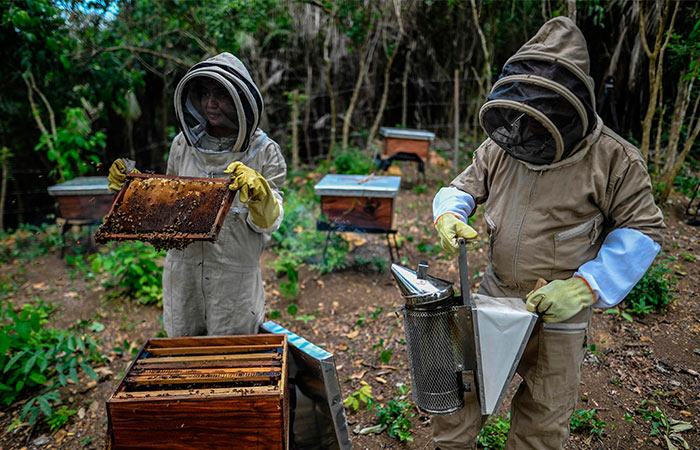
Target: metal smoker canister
(437, 338)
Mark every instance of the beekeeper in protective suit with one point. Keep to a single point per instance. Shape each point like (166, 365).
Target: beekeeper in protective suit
(567, 200)
(216, 288)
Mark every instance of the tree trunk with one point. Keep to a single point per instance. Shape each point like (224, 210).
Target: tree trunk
(4, 163)
(404, 85)
(571, 6)
(656, 59)
(455, 150)
(164, 101)
(486, 83)
(307, 107)
(385, 96)
(329, 86)
(295, 130)
(364, 56)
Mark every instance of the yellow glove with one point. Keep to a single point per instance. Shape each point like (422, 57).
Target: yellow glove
(450, 228)
(253, 189)
(561, 299)
(117, 173)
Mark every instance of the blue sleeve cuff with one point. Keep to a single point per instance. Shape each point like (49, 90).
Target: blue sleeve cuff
(622, 261)
(455, 201)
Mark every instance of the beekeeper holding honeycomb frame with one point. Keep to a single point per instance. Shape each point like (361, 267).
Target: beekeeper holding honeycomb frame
(216, 288)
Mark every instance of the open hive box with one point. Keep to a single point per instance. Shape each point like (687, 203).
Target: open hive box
(167, 211)
(203, 392)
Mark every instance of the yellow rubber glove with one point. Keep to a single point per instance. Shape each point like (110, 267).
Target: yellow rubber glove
(450, 228)
(253, 189)
(561, 299)
(117, 173)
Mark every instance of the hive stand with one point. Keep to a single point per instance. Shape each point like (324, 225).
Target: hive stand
(331, 227)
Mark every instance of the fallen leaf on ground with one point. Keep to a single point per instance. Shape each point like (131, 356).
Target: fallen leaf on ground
(353, 334)
(358, 375)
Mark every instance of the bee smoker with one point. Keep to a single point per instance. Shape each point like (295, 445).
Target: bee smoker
(461, 343)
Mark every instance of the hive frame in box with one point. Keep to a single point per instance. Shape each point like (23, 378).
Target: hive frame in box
(209, 391)
(210, 235)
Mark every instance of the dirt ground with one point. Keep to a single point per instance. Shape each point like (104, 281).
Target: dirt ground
(655, 359)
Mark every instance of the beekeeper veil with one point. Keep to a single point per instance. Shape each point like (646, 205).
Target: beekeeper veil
(227, 126)
(542, 105)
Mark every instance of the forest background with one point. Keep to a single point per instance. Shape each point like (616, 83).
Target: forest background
(85, 82)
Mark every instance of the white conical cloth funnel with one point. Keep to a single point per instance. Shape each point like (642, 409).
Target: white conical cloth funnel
(502, 327)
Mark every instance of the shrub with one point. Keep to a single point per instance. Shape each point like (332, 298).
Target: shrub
(299, 242)
(38, 360)
(654, 292)
(133, 266)
(396, 416)
(495, 432)
(353, 161)
(29, 242)
(586, 420)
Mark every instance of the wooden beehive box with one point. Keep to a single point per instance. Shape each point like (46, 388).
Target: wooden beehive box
(404, 140)
(83, 198)
(359, 200)
(203, 393)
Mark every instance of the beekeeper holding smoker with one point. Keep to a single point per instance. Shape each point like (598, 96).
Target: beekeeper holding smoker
(566, 200)
(216, 288)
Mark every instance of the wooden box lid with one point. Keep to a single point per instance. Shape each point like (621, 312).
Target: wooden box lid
(358, 186)
(406, 133)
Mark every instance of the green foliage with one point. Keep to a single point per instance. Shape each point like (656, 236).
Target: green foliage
(377, 264)
(586, 420)
(353, 161)
(420, 188)
(621, 314)
(653, 293)
(288, 266)
(396, 416)
(59, 418)
(29, 242)
(36, 359)
(298, 242)
(74, 150)
(495, 432)
(361, 396)
(685, 184)
(663, 426)
(384, 352)
(133, 266)
(425, 247)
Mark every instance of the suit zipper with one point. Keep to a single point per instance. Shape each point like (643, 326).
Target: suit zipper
(520, 230)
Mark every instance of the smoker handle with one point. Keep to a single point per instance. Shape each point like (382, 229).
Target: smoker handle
(464, 273)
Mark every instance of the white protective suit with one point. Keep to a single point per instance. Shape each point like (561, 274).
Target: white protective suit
(216, 288)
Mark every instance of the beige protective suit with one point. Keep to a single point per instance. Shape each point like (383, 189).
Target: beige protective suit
(216, 288)
(547, 220)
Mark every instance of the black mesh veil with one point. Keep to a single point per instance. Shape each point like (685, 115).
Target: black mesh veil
(537, 112)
